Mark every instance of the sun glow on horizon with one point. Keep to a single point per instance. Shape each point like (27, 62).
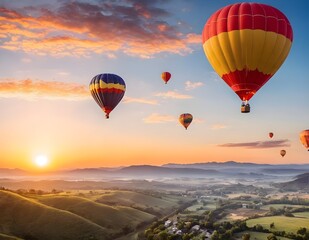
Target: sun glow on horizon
(41, 161)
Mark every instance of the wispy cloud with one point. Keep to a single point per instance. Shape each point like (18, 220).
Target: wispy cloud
(136, 28)
(139, 100)
(218, 126)
(259, 144)
(159, 118)
(31, 89)
(192, 85)
(173, 94)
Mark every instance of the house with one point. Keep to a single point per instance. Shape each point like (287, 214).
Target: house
(167, 223)
(195, 228)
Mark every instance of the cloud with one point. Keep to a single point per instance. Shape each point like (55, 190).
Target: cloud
(80, 29)
(139, 100)
(158, 118)
(259, 144)
(192, 85)
(218, 126)
(173, 94)
(32, 89)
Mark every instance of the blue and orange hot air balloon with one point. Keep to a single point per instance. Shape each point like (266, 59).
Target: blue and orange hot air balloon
(246, 43)
(166, 76)
(107, 89)
(185, 119)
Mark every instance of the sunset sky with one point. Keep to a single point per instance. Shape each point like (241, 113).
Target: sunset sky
(50, 50)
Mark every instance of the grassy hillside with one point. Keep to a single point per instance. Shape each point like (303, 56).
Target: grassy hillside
(28, 219)
(153, 204)
(7, 237)
(106, 216)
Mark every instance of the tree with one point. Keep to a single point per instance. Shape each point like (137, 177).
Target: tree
(272, 225)
(246, 236)
(215, 235)
(302, 231)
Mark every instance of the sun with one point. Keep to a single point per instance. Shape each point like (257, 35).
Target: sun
(41, 160)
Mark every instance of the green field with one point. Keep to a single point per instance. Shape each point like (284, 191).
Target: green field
(277, 206)
(256, 236)
(287, 224)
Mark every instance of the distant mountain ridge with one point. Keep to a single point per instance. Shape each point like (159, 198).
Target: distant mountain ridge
(230, 168)
(301, 183)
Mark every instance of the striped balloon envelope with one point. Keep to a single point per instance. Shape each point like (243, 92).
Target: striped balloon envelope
(107, 89)
(246, 43)
(185, 119)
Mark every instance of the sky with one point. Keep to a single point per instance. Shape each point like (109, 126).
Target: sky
(50, 51)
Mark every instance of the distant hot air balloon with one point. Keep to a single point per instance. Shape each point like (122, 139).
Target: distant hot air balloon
(270, 134)
(304, 138)
(282, 153)
(107, 89)
(246, 43)
(185, 119)
(166, 76)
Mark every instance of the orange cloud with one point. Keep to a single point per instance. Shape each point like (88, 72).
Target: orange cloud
(30, 89)
(158, 118)
(173, 94)
(82, 28)
(259, 144)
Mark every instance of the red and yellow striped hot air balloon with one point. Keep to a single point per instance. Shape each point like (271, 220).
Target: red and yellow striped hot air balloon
(166, 76)
(246, 43)
(304, 138)
(185, 119)
(107, 90)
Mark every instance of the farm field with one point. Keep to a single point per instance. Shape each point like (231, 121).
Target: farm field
(287, 224)
(302, 214)
(256, 236)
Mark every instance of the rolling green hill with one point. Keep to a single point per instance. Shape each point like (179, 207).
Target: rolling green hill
(29, 219)
(114, 218)
(152, 204)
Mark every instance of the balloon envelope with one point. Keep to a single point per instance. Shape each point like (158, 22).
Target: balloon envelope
(107, 89)
(185, 119)
(166, 76)
(304, 138)
(282, 153)
(271, 134)
(246, 43)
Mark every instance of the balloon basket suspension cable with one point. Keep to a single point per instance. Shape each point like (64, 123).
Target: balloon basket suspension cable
(245, 106)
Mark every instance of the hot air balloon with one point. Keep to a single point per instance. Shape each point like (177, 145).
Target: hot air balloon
(304, 138)
(246, 43)
(166, 76)
(282, 153)
(185, 119)
(270, 134)
(107, 89)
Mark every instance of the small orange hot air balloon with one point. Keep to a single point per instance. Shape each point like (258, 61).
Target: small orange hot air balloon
(304, 138)
(270, 134)
(166, 76)
(282, 153)
(185, 119)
